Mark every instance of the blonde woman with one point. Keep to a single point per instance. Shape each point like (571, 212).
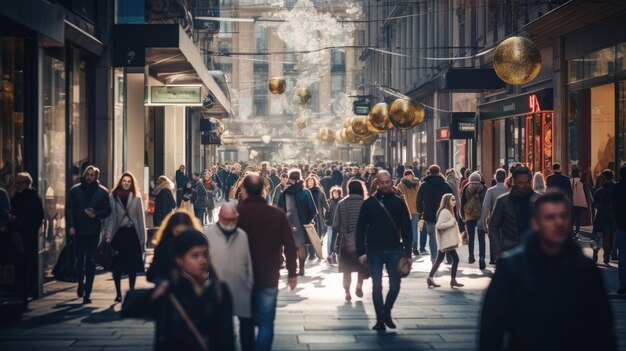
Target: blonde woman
(447, 228)
(539, 183)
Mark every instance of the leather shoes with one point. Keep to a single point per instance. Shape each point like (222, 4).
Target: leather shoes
(481, 264)
(359, 291)
(388, 321)
(380, 325)
(118, 298)
(86, 300)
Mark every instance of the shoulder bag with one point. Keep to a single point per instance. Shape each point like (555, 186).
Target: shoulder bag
(405, 263)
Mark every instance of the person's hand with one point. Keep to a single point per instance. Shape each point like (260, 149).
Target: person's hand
(160, 290)
(363, 260)
(90, 213)
(108, 239)
(292, 282)
(72, 231)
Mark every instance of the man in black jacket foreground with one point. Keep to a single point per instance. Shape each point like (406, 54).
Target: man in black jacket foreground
(378, 242)
(545, 294)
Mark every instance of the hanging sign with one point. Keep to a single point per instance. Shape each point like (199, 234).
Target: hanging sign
(361, 108)
(463, 125)
(175, 95)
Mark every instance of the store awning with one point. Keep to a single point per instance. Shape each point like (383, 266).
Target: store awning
(170, 56)
(42, 17)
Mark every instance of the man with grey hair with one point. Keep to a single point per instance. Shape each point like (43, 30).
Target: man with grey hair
(230, 254)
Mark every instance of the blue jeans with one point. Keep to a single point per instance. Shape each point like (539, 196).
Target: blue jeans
(414, 219)
(620, 237)
(432, 240)
(264, 312)
(470, 226)
(376, 259)
(423, 237)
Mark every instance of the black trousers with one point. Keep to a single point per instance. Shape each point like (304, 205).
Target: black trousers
(85, 248)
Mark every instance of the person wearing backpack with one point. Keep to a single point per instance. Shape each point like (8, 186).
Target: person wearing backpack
(472, 197)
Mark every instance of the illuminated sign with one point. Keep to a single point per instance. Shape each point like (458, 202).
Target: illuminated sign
(361, 108)
(175, 95)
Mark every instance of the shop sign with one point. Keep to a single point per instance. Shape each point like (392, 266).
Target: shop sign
(175, 95)
(532, 102)
(361, 108)
(443, 133)
(463, 125)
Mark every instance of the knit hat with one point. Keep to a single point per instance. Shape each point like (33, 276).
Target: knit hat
(475, 177)
(188, 239)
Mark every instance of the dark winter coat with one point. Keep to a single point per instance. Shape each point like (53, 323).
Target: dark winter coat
(603, 203)
(429, 197)
(164, 204)
(304, 201)
(509, 220)
(326, 183)
(321, 204)
(534, 302)
(200, 201)
(184, 192)
(336, 177)
(181, 179)
(212, 316)
(230, 181)
(5, 208)
(619, 204)
(28, 210)
(561, 182)
(477, 189)
(162, 265)
(374, 228)
(332, 208)
(82, 196)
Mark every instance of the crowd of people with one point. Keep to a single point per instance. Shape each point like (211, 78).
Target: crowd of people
(369, 218)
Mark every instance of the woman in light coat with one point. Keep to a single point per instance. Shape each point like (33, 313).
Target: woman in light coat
(125, 229)
(447, 239)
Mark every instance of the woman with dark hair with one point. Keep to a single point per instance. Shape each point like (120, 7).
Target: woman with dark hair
(186, 196)
(164, 202)
(321, 204)
(172, 225)
(209, 186)
(345, 223)
(331, 234)
(125, 229)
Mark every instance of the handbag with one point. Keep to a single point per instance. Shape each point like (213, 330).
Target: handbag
(463, 238)
(66, 267)
(405, 263)
(104, 255)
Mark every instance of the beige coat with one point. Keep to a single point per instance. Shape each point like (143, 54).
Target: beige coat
(410, 196)
(135, 215)
(233, 264)
(447, 231)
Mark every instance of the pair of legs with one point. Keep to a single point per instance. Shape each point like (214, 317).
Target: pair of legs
(264, 313)
(200, 214)
(246, 333)
(85, 248)
(455, 266)
(423, 237)
(347, 281)
(577, 213)
(302, 255)
(377, 258)
(471, 227)
(414, 219)
(117, 279)
(209, 216)
(432, 240)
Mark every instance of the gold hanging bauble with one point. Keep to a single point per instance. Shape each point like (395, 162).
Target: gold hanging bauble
(326, 135)
(406, 113)
(517, 60)
(378, 118)
(350, 136)
(368, 140)
(359, 126)
(347, 122)
(301, 122)
(340, 135)
(304, 96)
(277, 85)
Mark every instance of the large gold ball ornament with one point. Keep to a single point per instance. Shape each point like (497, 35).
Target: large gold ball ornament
(277, 85)
(368, 140)
(301, 122)
(304, 96)
(517, 60)
(359, 126)
(347, 122)
(350, 136)
(326, 135)
(378, 118)
(406, 113)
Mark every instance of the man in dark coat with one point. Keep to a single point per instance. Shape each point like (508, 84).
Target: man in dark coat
(428, 199)
(559, 181)
(336, 176)
(327, 182)
(87, 206)
(268, 232)
(619, 208)
(200, 201)
(27, 215)
(534, 299)
(223, 173)
(378, 243)
(604, 221)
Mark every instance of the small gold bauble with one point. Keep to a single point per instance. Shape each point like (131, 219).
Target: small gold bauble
(378, 118)
(304, 96)
(301, 122)
(517, 60)
(266, 139)
(359, 126)
(326, 135)
(368, 140)
(277, 85)
(406, 113)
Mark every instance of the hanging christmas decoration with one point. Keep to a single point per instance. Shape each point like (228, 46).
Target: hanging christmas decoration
(301, 122)
(378, 118)
(368, 140)
(266, 139)
(277, 85)
(347, 122)
(359, 126)
(326, 135)
(406, 113)
(517, 60)
(303, 96)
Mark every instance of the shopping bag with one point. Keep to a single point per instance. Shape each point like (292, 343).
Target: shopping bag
(66, 267)
(314, 239)
(103, 256)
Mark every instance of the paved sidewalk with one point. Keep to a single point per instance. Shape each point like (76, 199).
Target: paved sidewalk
(313, 317)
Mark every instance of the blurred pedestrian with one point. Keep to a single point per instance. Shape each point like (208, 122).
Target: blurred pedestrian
(200, 200)
(558, 181)
(539, 184)
(383, 235)
(164, 202)
(327, 181)
(428, 200)
(230, 252)
(269, 232)
(510, 218)
(408, 188)
(172, 225)
(336, 195)
(187, 196)
(489, 202)
(336, 176)
(181, 177)
(579, 200)
(472, 197)
(278, 190)
(604, 222)
(211, 187)
(125, 229)
(455, 184)
(26, 218)
(529, 303)
(448, 239)
(87, 206)
(345, 223)
(321, 204)
(619, 208)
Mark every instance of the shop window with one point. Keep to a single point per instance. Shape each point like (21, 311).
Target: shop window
(11, 110)
(80, 115)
